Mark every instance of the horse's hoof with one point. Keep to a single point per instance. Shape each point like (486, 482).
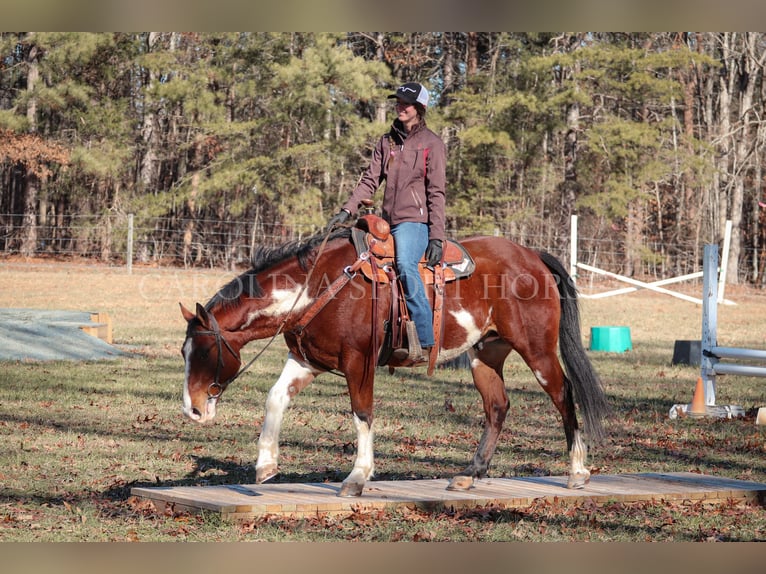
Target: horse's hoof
(349, 489)
(460, 482)
(578, 480)
(265, 473)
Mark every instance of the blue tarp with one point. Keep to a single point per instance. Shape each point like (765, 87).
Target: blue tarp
(42, 335)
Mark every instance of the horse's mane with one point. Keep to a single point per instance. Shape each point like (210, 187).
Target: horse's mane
(265, 257)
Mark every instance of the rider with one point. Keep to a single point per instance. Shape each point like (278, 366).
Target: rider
(412, 161)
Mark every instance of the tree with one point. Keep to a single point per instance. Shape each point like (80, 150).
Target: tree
(654, 139)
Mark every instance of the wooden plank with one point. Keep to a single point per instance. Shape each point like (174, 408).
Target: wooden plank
(239, 502)
(99, 327)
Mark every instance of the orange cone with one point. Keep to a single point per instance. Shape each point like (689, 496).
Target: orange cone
(698, 400)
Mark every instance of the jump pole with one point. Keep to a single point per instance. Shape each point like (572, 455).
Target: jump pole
(656, 286)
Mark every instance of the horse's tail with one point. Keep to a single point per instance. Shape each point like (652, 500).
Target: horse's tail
(584, 382)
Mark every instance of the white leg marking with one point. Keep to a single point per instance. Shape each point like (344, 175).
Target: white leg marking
(365, 455)
(578, 455)
(364, 466)
(540, 379)
(277, 402)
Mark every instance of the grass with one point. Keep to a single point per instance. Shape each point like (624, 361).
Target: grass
(77, 436)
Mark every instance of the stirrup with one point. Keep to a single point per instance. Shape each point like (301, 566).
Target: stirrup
(414, 354)
(413, 341)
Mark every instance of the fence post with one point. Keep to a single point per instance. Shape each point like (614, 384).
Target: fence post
(724, 261)
(129, 256)
(573, 249)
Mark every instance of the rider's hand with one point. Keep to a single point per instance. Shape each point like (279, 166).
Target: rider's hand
(434, 252)
(338, 219)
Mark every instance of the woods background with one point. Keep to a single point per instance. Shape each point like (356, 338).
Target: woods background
(217, 141)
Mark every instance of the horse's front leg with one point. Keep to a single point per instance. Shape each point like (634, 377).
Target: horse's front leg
(364, 465)
(296, 375)
(361, 406)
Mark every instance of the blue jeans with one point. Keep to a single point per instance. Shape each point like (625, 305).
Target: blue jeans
(411, 240)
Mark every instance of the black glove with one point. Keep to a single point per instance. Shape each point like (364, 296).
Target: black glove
(338, 219)
(434, 252)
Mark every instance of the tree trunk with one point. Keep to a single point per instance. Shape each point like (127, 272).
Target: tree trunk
(149, 130)
(472, 57)
(31, 180)
(381, 108)
(448, 65)
(725, 87)
(749, 72)
(687, 218)
(634, 237)
(569, 186)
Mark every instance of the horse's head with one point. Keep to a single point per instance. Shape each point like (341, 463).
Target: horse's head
(211, 364)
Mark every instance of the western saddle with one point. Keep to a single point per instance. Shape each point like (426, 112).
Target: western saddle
(371, 236)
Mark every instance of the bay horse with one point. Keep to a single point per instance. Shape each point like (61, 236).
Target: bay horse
(516, 299)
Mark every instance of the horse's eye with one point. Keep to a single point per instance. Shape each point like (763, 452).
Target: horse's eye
(203, 354)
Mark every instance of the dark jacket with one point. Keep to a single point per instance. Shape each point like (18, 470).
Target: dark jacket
(414, 168)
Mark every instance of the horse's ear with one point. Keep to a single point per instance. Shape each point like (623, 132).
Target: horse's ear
(188, 315)
(203, 317)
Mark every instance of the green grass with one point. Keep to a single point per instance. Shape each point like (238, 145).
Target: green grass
(76, 437)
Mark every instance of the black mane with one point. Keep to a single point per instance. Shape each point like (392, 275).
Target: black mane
(266, 257)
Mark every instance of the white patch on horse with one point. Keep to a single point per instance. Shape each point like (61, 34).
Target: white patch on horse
(283, 301)
(466, 321)
(540, 379)
(472, 334)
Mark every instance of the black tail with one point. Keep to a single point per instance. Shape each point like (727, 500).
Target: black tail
(585, 384)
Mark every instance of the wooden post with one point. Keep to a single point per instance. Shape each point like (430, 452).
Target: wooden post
(724, 261)
(573, 249)
(129, 255)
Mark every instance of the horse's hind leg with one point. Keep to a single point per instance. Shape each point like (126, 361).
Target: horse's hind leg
(550, 375)
(296, 375)
(487, 361)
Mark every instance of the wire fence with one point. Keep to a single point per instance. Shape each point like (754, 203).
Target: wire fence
(124, 239)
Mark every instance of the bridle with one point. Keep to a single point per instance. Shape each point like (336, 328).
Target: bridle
(216, 388)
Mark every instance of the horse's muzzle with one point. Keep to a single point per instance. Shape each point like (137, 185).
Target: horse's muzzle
(201, 416)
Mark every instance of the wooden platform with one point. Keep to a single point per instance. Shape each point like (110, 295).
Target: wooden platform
(240, 502)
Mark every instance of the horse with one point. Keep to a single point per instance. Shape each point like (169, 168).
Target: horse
(308, 292)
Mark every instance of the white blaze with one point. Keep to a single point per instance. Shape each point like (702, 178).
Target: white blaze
(188, 409)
